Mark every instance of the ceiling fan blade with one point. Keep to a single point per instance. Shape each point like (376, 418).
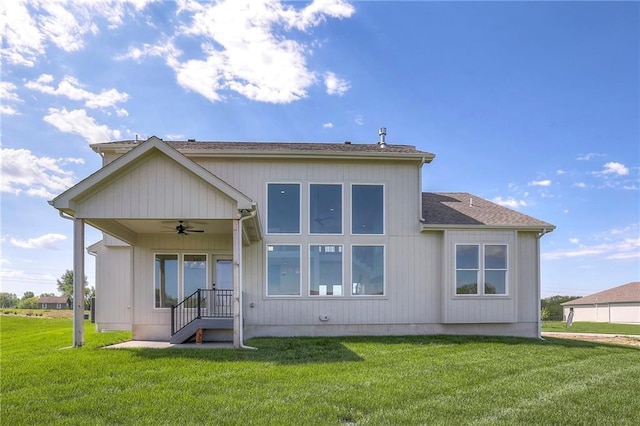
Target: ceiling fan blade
(194, 230)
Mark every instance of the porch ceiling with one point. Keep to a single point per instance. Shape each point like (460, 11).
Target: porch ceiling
(124, 228)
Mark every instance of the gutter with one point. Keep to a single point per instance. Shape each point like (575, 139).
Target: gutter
(241, 320)
(541, 234)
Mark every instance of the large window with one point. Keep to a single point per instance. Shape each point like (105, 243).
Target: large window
(325, 270)
(283, 208)
(166, 280)
(177, 277)
(325, 209)
(283, 270)
(367, 209)
(367, 270)
(481, 269)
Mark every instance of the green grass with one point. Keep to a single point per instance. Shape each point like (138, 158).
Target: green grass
(591, 327)
(313, 381)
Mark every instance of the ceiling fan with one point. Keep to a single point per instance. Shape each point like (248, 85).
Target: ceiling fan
(184, 229)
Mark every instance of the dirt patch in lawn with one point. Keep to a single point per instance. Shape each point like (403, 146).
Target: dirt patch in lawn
(601, 338)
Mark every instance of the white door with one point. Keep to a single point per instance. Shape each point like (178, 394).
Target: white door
(223, 283)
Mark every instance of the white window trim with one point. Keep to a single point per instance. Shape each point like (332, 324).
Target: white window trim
(384, 207)
(266, 264)
(342, 201)
(481, 270)
(330, 296)
(301, 213)
(384, 271)
(180, 255)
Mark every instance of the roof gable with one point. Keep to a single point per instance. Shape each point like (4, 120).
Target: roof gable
(625, 293)
(153, 146)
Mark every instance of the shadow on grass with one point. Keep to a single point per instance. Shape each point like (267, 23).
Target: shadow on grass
(318, 350)
(286, 351)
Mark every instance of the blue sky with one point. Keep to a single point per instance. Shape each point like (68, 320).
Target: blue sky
(534, 105)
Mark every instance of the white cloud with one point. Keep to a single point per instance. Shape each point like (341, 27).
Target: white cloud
(580, 185)
(8, 94)
(31, 26)
(47, 241)
(328, 125)
(359, 120)
(615, 244)
(546, 182)
(614, 168)
(36, 176)
(561, 172)
(589, 156)
(335, 85)
(72, 89)
(77, 121)
(246, 48)
(509, 202)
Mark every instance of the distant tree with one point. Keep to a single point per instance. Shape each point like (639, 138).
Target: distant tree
(28, 303)
(88, 295)
(551, 307)
(48, 295)
(65, 284)
(28, 295)
(8, 300)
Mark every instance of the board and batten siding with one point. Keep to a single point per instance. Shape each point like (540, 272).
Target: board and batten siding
(156, 187)
(113, 295)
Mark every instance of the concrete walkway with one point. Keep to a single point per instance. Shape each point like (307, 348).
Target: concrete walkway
(148, 344)
(566, 333)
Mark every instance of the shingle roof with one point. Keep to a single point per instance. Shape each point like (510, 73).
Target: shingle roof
(625, 293)
(462, 209)
(275, 147)
(52, 299)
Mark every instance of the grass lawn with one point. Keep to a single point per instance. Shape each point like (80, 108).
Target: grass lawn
(591, 327)
(313, 381)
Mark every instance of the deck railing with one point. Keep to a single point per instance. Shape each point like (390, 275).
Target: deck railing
(202, 303)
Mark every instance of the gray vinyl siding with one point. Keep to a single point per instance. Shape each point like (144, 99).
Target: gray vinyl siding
(113, 296)
(156, 187)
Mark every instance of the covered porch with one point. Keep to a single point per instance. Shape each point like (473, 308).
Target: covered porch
(163, 207)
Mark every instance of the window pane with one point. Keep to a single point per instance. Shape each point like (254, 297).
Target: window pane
(367, 270)
(466, 282)
(166, 280)
(367, 209)
(495, 257)
(467, 257)
(283, 215)
(325, 270)
(194, 270)
(283, 270)
(495, 282)
(325, 209)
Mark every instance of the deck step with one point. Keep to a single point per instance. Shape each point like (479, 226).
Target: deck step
(190, 329)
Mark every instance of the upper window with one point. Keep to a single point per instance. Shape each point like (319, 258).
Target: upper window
(283, 270)
(367, 270)
(367, 209)
(325, 209)
(485, 264)
(325, 270)
(283, 208)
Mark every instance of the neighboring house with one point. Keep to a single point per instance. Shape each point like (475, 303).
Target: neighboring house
(316, 239)
(51, 302)
(618, 305)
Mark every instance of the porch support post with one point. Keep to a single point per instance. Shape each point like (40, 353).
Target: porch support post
(78, 282)
(236, 283)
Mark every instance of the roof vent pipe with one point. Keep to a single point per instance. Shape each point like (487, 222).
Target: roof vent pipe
(382, 132)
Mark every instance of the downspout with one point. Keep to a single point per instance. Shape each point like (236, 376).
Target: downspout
(420, 212)
(241, 327)
(539, 236)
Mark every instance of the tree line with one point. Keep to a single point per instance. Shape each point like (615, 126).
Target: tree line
(65, 288)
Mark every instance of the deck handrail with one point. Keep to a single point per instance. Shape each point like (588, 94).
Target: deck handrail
(202, 303)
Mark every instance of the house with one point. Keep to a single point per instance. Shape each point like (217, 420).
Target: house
(51, 302)
(617, 305)
(244, 239)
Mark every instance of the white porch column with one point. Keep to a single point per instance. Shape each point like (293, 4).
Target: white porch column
(78, 282)
(237, 297)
